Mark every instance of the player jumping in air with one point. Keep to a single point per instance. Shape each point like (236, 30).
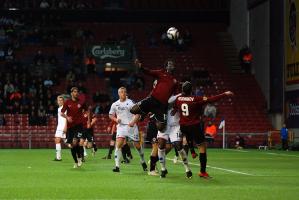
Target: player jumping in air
(190, 109)
(157, 101)
(126, 127)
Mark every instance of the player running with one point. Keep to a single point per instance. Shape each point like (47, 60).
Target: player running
(174, 134)
(75, 122)
(190, 108)
(126, 127)
(156, 102)
(111, 129)
(61, 128)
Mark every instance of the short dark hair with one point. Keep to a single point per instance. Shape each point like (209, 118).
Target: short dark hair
(187, 88)
(74, 88)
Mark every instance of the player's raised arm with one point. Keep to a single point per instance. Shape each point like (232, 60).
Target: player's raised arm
(154, 73)
(217, 97)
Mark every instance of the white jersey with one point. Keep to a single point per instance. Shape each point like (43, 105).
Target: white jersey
(172, 120)
(61, 120)
(122, 111)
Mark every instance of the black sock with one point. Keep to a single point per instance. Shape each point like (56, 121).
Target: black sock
(74, 153)
(80, 151)
(111, 148)
(94, 146)
(129, 153)
(124, 152)
(153, 162)
(176, 152)
(203, 161)
(186, 148)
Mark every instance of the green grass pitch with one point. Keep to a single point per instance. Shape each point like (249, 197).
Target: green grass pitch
(249, 174)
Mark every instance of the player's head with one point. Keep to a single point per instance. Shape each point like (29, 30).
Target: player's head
(122, 93)
(187, 88)
(74, 92)
(169, 66)
(60, 100)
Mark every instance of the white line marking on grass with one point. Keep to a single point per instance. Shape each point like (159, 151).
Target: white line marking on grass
(219, 168)
(281, 154)
(237, 150)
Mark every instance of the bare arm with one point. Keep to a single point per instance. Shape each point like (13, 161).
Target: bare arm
(135, 120)
(113, 118)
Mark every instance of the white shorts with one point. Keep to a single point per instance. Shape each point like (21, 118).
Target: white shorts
(172, 132)
(60, 134)
(124, 131)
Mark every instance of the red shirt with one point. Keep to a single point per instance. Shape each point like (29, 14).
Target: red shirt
(166, 85)
(191, 107)
(75, 110)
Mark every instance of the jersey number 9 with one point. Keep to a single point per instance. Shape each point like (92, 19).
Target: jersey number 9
(185, 109)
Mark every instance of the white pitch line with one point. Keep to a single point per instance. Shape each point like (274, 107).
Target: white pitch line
(237, 150)
(219, 168)
(281, 154)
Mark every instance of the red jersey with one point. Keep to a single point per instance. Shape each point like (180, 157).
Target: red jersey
(166, 85)
(75, 110)
(191, 107)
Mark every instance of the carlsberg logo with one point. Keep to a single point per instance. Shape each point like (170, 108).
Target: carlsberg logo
(108, 52)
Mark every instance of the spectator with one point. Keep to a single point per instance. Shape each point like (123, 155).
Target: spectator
(62, 4)
(90, 64)
(210, 111)
(44, 4)
(48, 82)
(15, 95)
(199, 91)
(210, 132)
(8, 89)
(9, 56)
(239, 142)
(284, 135)
(2, 120)
(96, 97)
(39, 58)
(245, 57)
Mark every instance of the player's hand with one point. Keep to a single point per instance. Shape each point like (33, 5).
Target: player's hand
(108, 129)
(69, 119)
(229, 93)
(137, 63)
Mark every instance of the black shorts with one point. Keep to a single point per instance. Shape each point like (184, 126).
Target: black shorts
(150, 104)
(151, 132)
(194, 133)
(113, 136)
(88, 134)
(74, 132)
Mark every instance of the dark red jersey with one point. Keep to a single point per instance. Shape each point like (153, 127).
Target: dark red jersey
(191, 107)
(75, 111)
(166, 85)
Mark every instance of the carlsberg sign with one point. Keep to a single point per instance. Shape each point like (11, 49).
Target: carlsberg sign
(111, 52)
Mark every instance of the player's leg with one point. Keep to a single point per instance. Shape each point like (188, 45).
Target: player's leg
(175, 138)
(134, 135)
(118, 153)
(111, 146)
(162, 139)
(142, 108)
(74, 150)
(176, 156)
(154, 158)
(124, 149)
(80, 151)
(58, 149)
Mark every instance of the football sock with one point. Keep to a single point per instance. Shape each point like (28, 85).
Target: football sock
(111, 147)
(117, 156)
(84, 151)
(186, 148)
(161, 154)
(176, 152)
(203, 161)
(74, 153)
(80, 151)
(141, 154)
(153, 161)
(184, 159)
(58, 151)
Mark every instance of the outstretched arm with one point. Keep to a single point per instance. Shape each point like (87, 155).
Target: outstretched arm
(154, 73)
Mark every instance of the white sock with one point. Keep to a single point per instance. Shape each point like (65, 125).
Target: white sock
(58, 151)
(85, 153)
(184, 158)
(141, 154)
(161, 155)
(117, 156)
